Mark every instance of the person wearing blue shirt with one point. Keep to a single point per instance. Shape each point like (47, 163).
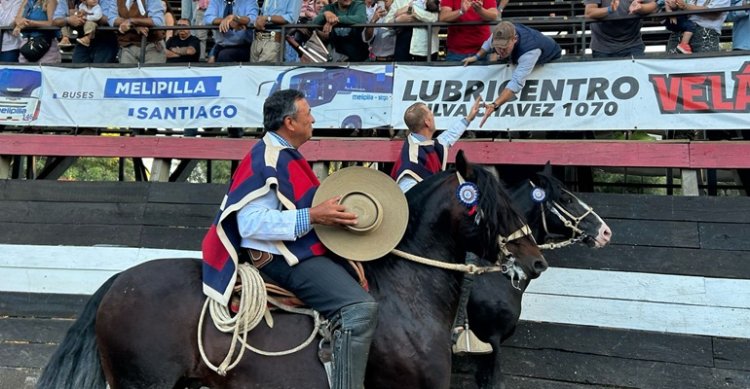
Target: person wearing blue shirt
(232, 17)
(134, 18)
(103, 49)
(522, 46)
(740, 26)
(267, 43)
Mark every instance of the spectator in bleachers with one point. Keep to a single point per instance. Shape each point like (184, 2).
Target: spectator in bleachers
(267, 43)
(501, 7)
(91, 11)
(232, 17)
(183, 46)
(103, 49)
(382, 40)
(134, 19)
(169, 20)
(681, 25)
(740, 27)
(194, 11)
(11, 43)
(708, 25)
(412, 42)
(465, 41)
(617, 38)
(522, 46)
(38, 13)
(307, 11)
(346, 41)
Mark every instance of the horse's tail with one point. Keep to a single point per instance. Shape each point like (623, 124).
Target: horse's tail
(75, 364)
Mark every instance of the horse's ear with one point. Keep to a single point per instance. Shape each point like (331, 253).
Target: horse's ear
(547, 169)
(463, 166)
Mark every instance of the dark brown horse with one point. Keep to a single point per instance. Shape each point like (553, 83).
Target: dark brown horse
(139, 330)
(555, 215)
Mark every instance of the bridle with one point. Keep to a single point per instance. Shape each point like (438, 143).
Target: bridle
(570, 221)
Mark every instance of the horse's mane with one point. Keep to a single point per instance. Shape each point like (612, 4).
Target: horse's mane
(494, 199)
(553, 185)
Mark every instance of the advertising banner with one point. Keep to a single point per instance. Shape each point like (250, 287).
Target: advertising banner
(623, 94)
(629, 94)
(172, 97)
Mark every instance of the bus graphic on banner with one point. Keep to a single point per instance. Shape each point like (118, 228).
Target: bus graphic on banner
(349, 98)
(19, 95)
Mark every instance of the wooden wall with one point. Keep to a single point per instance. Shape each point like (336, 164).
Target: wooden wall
(666, 305)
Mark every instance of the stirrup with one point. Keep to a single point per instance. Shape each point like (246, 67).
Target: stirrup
(468, 343)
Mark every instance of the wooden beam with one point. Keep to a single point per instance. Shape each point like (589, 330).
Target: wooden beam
(611, 153)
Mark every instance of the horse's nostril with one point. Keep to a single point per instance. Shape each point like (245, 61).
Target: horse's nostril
(540, 266)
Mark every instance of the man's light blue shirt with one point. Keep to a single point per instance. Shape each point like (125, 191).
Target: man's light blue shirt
(740, 27)
(288, 9)
(215, 10)
(153, 8)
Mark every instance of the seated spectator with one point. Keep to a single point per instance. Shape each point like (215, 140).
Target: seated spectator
(168, 19)
(681, 25)
(134, 19)
(183, 47)
(232, 17)
(464, 41)
(412, 42)
(307, 11)
(11, 43)
(266, 46)
(708, 25)
(346, 41)
(617, 38)
(32, 14)
(91, 11)
(740, 27)
(382, 41)
(103, 49)
(194, 11)
(522, 46)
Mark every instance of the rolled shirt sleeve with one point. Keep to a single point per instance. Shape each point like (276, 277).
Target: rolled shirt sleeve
(526, 64)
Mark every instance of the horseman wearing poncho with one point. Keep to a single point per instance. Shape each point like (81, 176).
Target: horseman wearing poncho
(421, 155)
(268, 215)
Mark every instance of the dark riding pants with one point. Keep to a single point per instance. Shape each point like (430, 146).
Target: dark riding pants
(319, 282)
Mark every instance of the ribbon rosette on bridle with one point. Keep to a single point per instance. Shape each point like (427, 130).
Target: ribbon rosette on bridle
(538, 195)
(468, 195)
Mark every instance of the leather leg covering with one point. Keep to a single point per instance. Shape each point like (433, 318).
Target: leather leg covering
(355, 326)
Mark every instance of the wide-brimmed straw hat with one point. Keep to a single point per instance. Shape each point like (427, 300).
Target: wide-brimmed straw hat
(381, 208)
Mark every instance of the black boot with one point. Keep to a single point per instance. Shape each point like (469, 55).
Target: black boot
(354, 327)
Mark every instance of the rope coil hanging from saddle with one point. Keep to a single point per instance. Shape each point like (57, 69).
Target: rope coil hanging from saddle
(253, 307)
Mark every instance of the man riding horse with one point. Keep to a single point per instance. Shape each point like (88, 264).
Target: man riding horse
(267, 216)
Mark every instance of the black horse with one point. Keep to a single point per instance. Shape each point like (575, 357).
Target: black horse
(552, 212)
(139, 330)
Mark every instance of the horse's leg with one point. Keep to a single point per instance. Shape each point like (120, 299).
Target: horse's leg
(488, 375)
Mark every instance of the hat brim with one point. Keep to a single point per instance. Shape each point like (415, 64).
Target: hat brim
(501, 44)
(380, 191)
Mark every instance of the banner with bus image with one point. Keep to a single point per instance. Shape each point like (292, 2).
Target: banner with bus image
(233, 96)
(628, 94)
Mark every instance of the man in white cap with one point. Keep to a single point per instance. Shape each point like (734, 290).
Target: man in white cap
(421, 155)
(522, 46)
(266, 218)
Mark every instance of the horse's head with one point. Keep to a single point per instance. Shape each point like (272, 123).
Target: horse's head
(494, 229)
(563, 214)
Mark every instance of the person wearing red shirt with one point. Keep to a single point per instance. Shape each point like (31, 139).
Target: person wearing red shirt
(464, 41)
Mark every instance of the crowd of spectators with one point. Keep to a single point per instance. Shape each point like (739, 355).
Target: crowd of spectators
(243, 30)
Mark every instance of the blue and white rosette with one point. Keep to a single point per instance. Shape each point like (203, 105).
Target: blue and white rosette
(468, 194)
(538, 195)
